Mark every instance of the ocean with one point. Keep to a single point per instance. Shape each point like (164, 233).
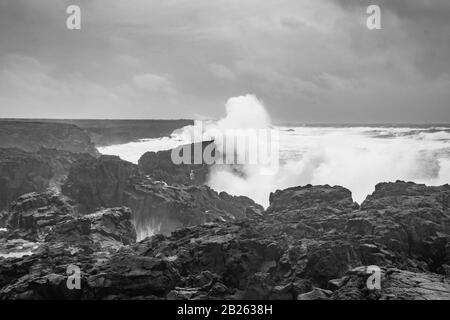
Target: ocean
(356, 157)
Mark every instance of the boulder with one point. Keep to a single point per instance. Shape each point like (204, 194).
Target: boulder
(109, 228)
(33, 215)
(160, 166)
(307, 197)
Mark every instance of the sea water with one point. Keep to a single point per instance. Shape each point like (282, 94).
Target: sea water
(356, 157)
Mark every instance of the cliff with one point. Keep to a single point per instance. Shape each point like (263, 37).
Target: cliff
(110, 132)
(32, 136)
(157, 207)
(23, 172)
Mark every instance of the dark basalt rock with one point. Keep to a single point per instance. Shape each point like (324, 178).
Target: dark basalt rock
(408, 195)
(162, 209)
(312, 243)
(109, 228)
(411, 218)
(61, 237)
(50, 217)
(61, 162)
(396, 284)
(159, 165)
(33, 215)
(157, 207)
(23, 172)
(101, 182)
(308, 197)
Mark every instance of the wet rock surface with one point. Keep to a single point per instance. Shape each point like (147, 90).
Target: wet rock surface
(159, 165)
(157, 207)
(396, 285)
(313, 242)
(33, 215)
(22, 172)
(59, 237)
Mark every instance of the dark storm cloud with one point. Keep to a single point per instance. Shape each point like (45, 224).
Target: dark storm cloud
(308, 60)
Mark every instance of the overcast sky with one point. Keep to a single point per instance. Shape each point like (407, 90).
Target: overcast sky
(307, 60)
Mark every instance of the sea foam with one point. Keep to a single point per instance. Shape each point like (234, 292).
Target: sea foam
(356, 157)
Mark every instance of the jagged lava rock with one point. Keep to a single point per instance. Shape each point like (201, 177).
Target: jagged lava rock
(410, 230)
(408, 195)
(308, 211)
(37, 270)
(395, 284)
(34, 214)
(301, 248)
(309, 196)
(413, 218)
(157, 207)
(109, 228)
(50, 217)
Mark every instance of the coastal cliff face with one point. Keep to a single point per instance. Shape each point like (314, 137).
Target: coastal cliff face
(110, 132)
(32, 136)
(35, 156)
(23, 172)
(313, 242)
(157, 207)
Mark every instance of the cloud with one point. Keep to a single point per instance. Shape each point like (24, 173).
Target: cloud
(154, 84)
(222, 72)
(310, 61)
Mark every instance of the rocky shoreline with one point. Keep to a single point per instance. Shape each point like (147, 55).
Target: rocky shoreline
(313, 242)
(135, 236)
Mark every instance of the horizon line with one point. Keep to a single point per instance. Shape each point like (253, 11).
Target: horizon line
(277, 123)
